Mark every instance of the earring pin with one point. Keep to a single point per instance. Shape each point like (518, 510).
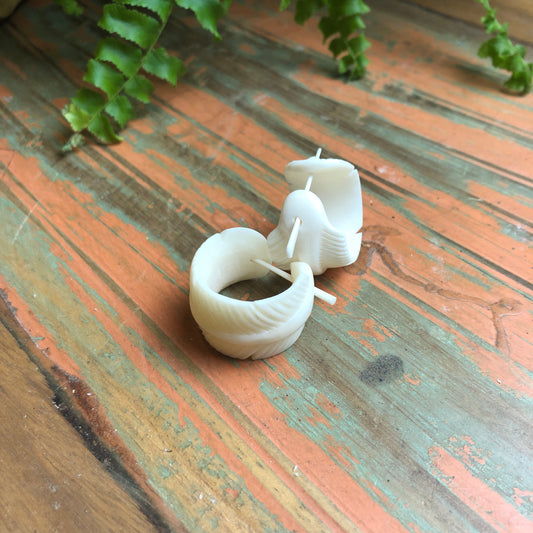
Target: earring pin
(319, 293)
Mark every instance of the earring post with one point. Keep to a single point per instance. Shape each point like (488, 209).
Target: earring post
(319, 293)
(291, 243)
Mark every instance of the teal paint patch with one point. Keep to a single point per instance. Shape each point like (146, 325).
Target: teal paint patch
(165, 471)
(517, 232)
(215, 174)
(436, 331)
(30, 262)
(452, 174)
(120, 196)
(411, 419)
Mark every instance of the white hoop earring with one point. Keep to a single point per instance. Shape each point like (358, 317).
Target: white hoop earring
(319, 226)
(246, 329)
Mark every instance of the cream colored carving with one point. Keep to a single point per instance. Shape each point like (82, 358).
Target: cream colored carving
(321, 218)
(246, 329)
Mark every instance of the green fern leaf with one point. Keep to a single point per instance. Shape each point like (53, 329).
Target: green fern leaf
(130, 24)
(70, 7)
(208, 12)
(101, 128)
(125, 56)
(137, 25)
(305, 9)
(337, 46)
(166, 67)
(350, 25)
(344, 25)
(105, 77)
(358, 45)
(89, 101)
(504, 54)
(140, 88)
(284, 4)
(346, 8)
(114, 71)
(120, 109)
(77, 117)
(161, 8)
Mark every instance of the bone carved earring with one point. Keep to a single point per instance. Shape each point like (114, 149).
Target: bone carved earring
(321, 218)
(248, 329)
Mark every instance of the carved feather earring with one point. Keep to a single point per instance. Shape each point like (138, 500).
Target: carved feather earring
(321, 218)
(247, 329)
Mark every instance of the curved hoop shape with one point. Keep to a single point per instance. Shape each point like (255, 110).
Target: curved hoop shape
(336, 182)
(319, 243)
(243, 329)
(319, 227)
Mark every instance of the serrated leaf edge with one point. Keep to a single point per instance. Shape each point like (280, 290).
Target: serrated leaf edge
(99, 125)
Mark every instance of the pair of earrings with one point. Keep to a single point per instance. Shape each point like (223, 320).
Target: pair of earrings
(318, 229)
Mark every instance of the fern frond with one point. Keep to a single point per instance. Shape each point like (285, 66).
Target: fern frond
(114, 75)
(130, 24)
(166, 67)
(70, 7)
(120, 109)
(343, 27)
(305, 9)
(125, 56)
(504, 54)
(207, 12)
(162, 8)
(140, 88)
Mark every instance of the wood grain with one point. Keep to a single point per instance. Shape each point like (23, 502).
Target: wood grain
(517, 13)
(50, 479)
(407, 406)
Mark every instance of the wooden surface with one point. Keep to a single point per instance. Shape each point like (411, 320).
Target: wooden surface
(405, 407)
(61, 486)
(517, 13)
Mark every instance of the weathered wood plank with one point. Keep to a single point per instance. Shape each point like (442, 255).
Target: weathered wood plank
(518, 13)
(335, 434)
(50, 479)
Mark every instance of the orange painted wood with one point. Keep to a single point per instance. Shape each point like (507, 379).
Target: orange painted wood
(407, 406)
(517, 13)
